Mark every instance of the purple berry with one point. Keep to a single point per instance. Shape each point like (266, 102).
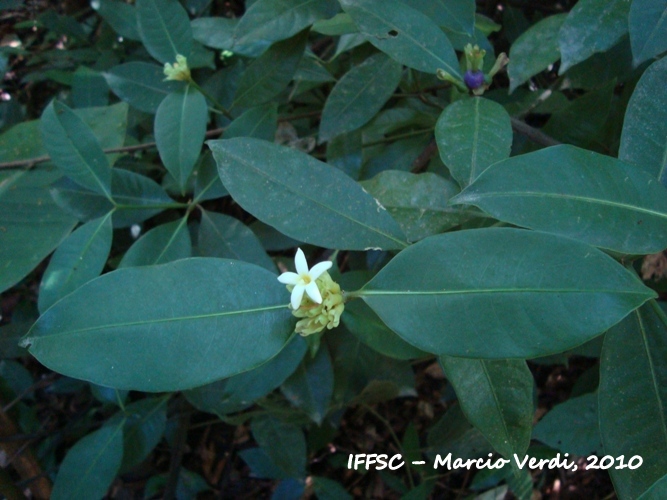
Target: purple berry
(474, 79)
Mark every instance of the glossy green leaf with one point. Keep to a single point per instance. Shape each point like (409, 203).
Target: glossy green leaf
(89, 89)
(122, 17)
(283, 442)
(137, 198)
(404, 34)
(572, 427)
(657, 491)
(164, 27)
(140, 84)
(454, 434)
(327, 489)
(162, 244)
(145, 423)
(189, 322)
(216, 32)
(312, 70)
(591, 26)
(79, 259)
(303, 197)
(345, 153)
(310, 387)
(578, 194)
(268, 21)
(74, 148)
(260, 122)
(91, 465)
(633, 397)
(535, 50)
(241, 391)
(269, 74)
(448, 294)
(226, 237)
(471, 135)
(207, 180)
(644, 137)
(418, 202)
(31, 224)
(648, 29)
(359, 95)
(497, 398)
(180, 127)
(455, 15)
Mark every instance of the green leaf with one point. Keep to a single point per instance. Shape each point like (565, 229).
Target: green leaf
(140, 84)
(657, 491)
(310, 387)
(91, 465)
(327, 489)
(591, 26)
(448, 294)
(226, 237)
(405, 34)
(359, 95)
(268, 21)
(216, 32)
(578, 194)
(644, 137)
(31, 225)
(188, 323)
(79, 259)
(162, 244)
(89, 88)
(260, 122)
(633, 397)
(572, 427)
(455, 15)
(303, 197)
(241, 391)
(122, 17)
(137, 198)
(269, 74)
(180, 127)
(535, 50)
(418, 202)
(207, 180)
(648, 29)
(145, 423)
(284, 444)
(497, 398)
(471, 135)
(164, 27)
(74, 148)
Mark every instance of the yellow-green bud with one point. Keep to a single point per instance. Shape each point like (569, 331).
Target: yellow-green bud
(179, 70)
(316, 317)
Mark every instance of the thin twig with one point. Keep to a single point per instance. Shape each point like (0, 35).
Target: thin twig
(534, 134)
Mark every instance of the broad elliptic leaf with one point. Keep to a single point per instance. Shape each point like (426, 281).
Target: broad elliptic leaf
(591, 26)
(578, 194)
(449, 294)
(283, 442)
(215, 32)
(165, 328)
(269, 74)
(140, 84)
(228, 238)
(648, 29)
(121, 16)
(260, 122)
(657, 491)
(497, 398)
(471, 135)
(405, 34)
(162, 244)
(633, 398)
(89, 88)
(91, 465)
(455, 15)
(79, 259)
(418, 202)
(31, 225)
(644, 137)
(241, 391)
(359, 95)
(164, 27)
(303, 197)
(535, 50)
(180, 127)
(268, 21)
(137, 198)
(74, 148)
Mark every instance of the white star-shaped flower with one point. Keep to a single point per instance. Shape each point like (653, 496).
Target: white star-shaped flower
(303, 279)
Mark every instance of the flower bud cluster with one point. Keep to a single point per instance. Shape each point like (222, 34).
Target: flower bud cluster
(316, 317)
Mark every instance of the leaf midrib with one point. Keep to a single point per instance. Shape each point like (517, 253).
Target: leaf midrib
(363, 292)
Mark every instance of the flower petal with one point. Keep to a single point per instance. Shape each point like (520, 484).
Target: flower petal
(318, 269)
(297, 295)
(300, 262)
(313, 292)
(289, 278)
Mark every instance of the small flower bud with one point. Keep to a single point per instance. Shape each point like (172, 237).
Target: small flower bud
(501, 61)
(179, 70)
(474, 57)
(443, 75)
(316, 317)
